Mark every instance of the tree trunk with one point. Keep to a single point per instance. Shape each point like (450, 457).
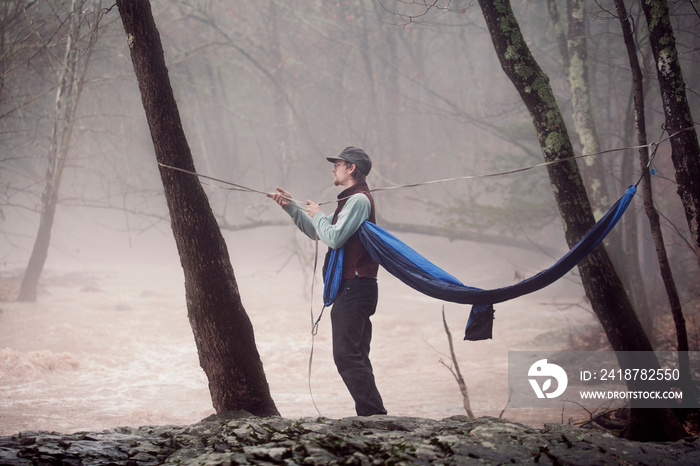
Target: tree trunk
(679, 120)
(70, 84)
(649, 208)
(584, 123)
(28, 289)
(601, 283)
(222, 330)
(631, 244)
(559, 34)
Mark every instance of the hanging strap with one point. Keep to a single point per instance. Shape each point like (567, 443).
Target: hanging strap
(332, 275)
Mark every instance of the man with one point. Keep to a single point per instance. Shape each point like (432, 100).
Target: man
(357, 299)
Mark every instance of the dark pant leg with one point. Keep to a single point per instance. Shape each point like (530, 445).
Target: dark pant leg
(352, 333)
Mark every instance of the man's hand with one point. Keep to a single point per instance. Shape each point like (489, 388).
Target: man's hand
(312, 208)
(281, 197)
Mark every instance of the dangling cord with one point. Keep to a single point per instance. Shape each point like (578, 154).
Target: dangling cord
(649, 167)
(314, 326)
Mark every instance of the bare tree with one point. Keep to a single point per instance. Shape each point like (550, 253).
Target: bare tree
(454, 369)
(71, 78)
(222, 330)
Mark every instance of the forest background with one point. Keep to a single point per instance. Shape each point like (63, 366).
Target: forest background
(267, 91)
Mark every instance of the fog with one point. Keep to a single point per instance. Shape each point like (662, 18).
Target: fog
(109, 344)
(266, 92)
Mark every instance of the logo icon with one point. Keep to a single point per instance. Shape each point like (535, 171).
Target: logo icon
(542, 368)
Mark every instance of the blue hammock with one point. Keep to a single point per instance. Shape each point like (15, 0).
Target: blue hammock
(422, 275)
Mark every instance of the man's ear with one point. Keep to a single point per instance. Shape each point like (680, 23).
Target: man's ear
(352, 168)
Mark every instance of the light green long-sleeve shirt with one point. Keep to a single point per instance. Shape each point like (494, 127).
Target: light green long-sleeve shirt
(355, 211)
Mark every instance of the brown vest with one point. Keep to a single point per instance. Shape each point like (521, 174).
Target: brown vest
(356, 260)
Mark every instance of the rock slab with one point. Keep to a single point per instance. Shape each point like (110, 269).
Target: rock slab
(231, 440)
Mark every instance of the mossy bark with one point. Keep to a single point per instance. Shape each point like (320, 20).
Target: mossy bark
(679, 120)
(584, 122)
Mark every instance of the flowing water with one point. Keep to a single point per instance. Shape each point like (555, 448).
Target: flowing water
(110, 345)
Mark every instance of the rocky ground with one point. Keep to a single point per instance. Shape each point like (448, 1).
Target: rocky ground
(374, 440)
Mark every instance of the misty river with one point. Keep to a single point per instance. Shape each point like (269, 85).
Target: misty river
(109, 343)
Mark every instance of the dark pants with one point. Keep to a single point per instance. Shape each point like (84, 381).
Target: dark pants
(352, 333)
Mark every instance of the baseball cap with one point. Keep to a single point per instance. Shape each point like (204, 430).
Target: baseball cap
(356, 156)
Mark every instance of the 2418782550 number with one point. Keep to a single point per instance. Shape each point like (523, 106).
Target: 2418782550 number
(639, 374)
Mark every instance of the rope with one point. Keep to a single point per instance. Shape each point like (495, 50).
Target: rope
(655, 145)
(314, 327)
(238, 187)
(233, 186)
(651, 159)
